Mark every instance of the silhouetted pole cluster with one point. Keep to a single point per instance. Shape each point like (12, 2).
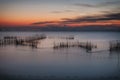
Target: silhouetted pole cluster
(86, 45)
(8, 40)
(114, 46)
(31, 41)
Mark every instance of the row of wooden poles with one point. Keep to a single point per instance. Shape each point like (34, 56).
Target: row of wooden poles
(114, 45)
(85, 45)
(30, 41)
(33, 42)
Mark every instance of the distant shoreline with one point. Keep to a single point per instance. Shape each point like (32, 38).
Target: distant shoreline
(53, 31)
(63, 29)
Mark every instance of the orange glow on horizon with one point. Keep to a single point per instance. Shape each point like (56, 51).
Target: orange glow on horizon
(27, 21)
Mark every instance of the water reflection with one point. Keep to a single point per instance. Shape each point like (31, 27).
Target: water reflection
(46, 62)
(116, 56)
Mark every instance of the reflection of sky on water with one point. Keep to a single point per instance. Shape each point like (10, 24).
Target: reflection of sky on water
(22, 60)
(47, 62)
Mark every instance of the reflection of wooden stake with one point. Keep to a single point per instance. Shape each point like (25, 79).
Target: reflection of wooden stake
(118, 66)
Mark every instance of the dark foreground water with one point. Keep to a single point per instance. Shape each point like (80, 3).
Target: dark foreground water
(25, 63)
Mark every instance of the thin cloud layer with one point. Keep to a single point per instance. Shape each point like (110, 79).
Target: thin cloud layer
(112, 16)
(88, 19)
(103, 4)
(63, 11)
(44, 22)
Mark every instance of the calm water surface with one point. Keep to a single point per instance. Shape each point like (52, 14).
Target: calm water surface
(25, 61)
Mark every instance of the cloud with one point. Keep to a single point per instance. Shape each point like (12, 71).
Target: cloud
(63, 11)
(111, 11)
(68, 10)
(110, 3)
(44, 22)
(56, 12)
(84, 5)
(103, 4)
(105, 17)
(77, 20)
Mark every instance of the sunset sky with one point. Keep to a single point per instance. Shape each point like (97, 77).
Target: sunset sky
(59, 12)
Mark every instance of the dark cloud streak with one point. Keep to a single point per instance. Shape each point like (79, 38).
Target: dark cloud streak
(103, 4)
(106, 17)
(84, 5)
(44, 22)
(63, 11)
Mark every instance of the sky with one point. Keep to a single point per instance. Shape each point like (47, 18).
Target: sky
(73, 13)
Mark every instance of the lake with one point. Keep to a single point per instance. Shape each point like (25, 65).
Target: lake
(24, 62)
